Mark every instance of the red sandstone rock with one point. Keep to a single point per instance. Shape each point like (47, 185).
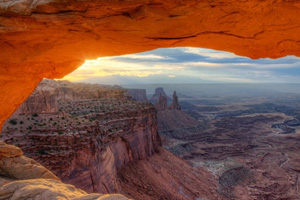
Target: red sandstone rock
(95, 132)
(23, 178)
(175, 105)
(165, 176)
(51, 38)
(45, 98)
(162, 103)
(158, 92)
(138, 94)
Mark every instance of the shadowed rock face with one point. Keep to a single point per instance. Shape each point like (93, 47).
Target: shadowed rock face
(138, 94)
(158, 92)
(95, 130)
(175, 105)
(98, 144)
(52, 38)
(162, 103)
(24, 178)
(161, 100)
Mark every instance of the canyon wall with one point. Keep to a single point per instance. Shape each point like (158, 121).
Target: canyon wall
(90, 159)
(89, 137)
(24, 178)
(138, 94)
(46, 97)
(104, 144)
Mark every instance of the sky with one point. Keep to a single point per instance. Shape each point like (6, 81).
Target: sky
(186, 65)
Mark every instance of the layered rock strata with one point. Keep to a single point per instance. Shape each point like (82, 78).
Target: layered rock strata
(104, 145)
(89, 139)
(165, 176)
(49, 94)
(23, 178)
(138, 94)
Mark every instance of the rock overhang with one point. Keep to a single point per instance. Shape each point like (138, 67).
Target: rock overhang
(51, 38)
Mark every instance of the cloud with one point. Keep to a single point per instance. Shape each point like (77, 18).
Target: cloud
(188, 65)
(140, 56)
(209, 53)
(171, 76)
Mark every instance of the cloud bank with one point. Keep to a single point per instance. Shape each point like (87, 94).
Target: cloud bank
(187, 65)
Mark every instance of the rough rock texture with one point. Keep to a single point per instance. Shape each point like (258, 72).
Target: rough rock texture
(89, 159)
(51, 38)
(14, 165)
(165, 176)
(46, 97)
(162, 103)
(176, 123)
(101, 144)
(158, 92)
(24, 178)
(96, 131)
(175, 105)
(40, 189)
(138, 94)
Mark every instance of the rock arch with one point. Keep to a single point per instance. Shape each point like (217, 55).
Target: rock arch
(51, 38)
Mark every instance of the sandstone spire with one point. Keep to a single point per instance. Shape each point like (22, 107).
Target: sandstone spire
(162, 102)
(175, 105)
(158, 91)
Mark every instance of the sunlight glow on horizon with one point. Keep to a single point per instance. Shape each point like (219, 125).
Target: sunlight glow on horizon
(187, 65)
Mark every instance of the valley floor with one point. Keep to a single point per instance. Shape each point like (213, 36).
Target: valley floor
(253, 151)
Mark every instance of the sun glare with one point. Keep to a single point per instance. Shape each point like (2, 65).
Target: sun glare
(186, 65)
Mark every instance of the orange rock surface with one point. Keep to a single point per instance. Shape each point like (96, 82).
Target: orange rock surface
(51, 38)
(24, 178)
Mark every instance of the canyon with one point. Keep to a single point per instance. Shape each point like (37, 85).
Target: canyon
(99, 140)
(219, 145)
(250, 142)
(50, 38)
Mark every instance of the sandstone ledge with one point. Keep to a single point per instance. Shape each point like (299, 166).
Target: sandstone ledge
(23, 178)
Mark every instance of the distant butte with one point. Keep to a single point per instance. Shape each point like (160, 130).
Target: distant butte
(52, 38)
(157, 95)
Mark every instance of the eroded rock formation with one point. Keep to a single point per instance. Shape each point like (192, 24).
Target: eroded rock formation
(175, 105)
(160, 100)
(99, 144)
(51, 38)
(47, 96)
(165, 176)
(138, 94)
(158, 92)
(24, 178)
(95, 131)
(162, 103)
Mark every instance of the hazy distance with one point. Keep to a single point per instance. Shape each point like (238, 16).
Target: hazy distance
(186, 66)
